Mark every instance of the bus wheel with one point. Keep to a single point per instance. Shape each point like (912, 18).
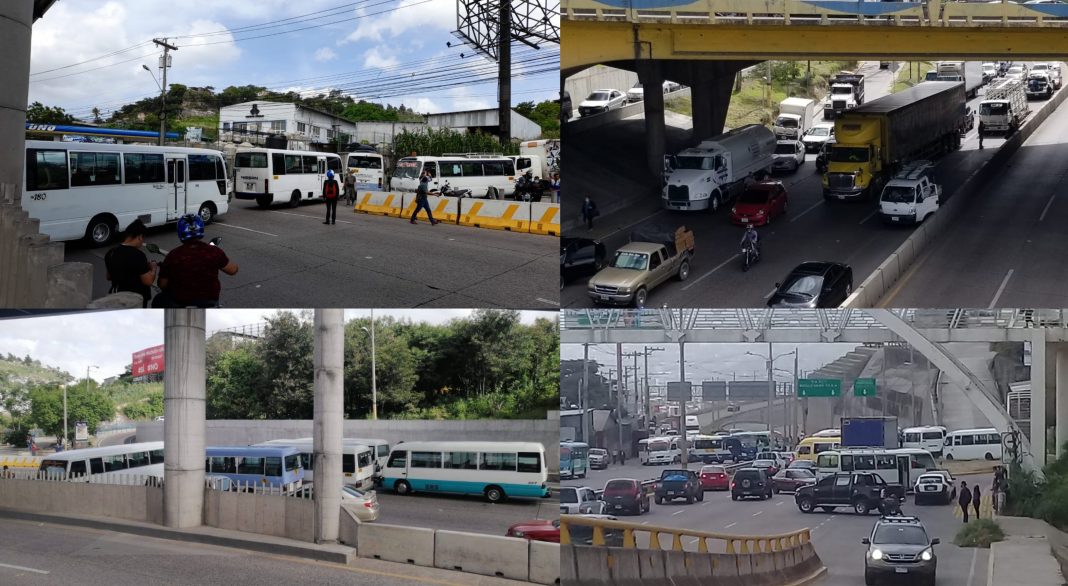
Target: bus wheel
(263, 201)
(402, 487)
(101, 230)
(494, 494)
(207, 212)
(294, 200)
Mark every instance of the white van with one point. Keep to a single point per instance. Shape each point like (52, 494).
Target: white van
(486, 176)
(928, 437)
(972, 444)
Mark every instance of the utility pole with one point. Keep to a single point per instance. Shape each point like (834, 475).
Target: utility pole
(684, 443)
(648, 398)
(793, 402)
(619, 395)
(504, 73)
(164, 64)
(770, 363)
(583, 391)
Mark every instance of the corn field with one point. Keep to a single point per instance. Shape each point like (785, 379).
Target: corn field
(438, 142)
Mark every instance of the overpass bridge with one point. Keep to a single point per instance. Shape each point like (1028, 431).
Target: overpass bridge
(925, 330)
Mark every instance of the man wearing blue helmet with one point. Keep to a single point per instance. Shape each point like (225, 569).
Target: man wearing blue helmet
(189, 276)
(331, 189)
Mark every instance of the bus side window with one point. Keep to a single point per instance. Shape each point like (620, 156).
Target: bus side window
(278, 164)
(847, 463)
(46, 170)
(333, 164)
(96, 466)
(77, 468)
(529, 462)
(398, 459)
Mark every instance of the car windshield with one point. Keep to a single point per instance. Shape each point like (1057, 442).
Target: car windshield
(841, 154)
(900, 534)
(694, 162)
(840, 90)
(712, 470)
(598, 97)
(899, 194)
(353, 492)
(820, 131)
(598, 452)
(568, 496)
(785, 149)
(804, 285)
(754, 196)
(619, 487)
(658, 446)
(802, 473)
(786, 122)
(630, 260)
(930, 480)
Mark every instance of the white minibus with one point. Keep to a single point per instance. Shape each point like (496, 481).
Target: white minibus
(928, 437)
(357, 460)
(484, 176)
(655, 450)
(972, 444)
(94, 191)
(106, 465)
(495, 470)
(897, 465)
(369, 167)
(379, 447)
(276, 175)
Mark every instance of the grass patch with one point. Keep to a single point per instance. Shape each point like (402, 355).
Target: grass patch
(979, 533)
(680, 105)
(905, 79)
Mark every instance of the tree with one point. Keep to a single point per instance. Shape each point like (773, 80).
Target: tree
(96, 115)
(41, 114)
(91, 406)
(545, 114)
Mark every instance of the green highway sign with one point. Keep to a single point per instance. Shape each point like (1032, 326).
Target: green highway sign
(864, 387)
(819, 387)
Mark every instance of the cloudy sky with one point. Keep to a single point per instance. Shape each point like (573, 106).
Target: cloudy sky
(379, 50)
(107, 339)
(714, 361)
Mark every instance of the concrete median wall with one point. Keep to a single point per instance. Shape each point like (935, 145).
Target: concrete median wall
(134, 502)
(280, 516)
(503, 214)
(602, 566)
(875, 287)
(230, 432)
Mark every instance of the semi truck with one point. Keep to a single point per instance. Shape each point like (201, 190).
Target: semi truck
(712, 173)
(847, 92)
(968, 72)
(869, 432)
(875, 139)
(795, 118)
(1004, 107)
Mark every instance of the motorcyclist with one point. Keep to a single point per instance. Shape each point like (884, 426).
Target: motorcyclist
(189, 276)
(525, 184)
(750, 237)
(890, 503)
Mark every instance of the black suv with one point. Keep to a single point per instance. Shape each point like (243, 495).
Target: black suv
(675, 484)
(900, 547)
(860, 491)
(750, 482)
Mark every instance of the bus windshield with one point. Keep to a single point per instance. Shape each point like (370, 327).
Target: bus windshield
(407, 169)
(658, 446)
(366, 162)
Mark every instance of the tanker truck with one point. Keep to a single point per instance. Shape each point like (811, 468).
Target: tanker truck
(711, 174)
(875, 139)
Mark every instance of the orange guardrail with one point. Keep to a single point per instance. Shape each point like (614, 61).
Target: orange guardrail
(731, 543)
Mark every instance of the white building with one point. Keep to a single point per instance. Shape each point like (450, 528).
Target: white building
(486, 121)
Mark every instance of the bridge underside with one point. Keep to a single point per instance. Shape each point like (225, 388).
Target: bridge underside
(587, 43)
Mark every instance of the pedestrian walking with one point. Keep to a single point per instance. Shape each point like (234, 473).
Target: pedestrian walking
(421, 199)
(350, 188)
(981, 129)
(975, 499)
(1002, 493)
(331, 191)
(589, 212)
(555, 186)
(964, 499)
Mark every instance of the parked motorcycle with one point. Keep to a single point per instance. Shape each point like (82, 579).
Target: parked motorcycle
(447, 191)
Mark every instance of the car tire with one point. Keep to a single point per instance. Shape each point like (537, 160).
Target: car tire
(988, 456)
(263, 202)
(207, 212)
(659, 500)
(684, 270)
(689, 499)
(701, 496)
(806, 505)
(640, 297)
(294, 198)
(776, 489)
(949, 456)
(861, 507)
(101, 230)
(494, 494)
(869, 578)
(734, 497)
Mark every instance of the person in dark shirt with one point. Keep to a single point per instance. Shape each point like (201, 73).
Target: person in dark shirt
(190, 273)
(128, 268)
(422, 201)
(331, 192)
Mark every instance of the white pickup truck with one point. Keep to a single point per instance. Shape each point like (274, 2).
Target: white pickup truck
(910, 196)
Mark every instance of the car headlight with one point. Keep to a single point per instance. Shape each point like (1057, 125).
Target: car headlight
(518, 534)
(926, 555)
(624, 289)
(876, 554)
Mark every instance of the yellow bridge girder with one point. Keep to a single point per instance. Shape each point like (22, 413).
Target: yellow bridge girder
(590, 42)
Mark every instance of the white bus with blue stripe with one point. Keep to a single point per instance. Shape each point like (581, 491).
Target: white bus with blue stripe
(257, 468)
(357, 460)
(495, 470)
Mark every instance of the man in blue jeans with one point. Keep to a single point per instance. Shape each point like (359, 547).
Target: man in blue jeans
(421, 201)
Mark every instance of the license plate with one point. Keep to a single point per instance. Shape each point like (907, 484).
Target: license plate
(894, 219)
(619, 506)
(841, 197)
(745, 220)
(604, 297)
(249, 185)
(901, 570)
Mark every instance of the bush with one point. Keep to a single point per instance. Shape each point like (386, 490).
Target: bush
(979, 533)
(15, 437)
(1052, 507)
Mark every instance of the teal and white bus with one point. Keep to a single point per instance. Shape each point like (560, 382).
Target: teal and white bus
(495, 470)
(574, 459)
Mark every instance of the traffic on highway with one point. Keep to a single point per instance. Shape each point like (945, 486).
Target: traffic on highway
(690, 241)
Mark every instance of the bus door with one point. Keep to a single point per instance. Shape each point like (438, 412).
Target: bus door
(904, 470)
(321, 171)
(432, 168)
(177, 187)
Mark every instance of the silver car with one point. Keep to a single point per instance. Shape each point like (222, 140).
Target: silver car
(601, 101)
(363, 504)
(789, 155)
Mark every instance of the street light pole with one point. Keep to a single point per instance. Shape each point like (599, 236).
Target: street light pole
(583, 391)
(164, 65)
(374, 370)
(619, 396)
(771, 379)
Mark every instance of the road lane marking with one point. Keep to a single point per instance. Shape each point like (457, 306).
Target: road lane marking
(778, 504)
(1048, 203)
(807, 210)
(758, 513)
(731, 525)
(772, 292)
(246, 229)
(645, 522)
(678, 512)
(718, 267)
(23, 568)
(547, 302)
(971, 573)
(868, 217)
(1001, 289)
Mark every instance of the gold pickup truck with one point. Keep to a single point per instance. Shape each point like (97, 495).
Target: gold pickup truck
(653, 256)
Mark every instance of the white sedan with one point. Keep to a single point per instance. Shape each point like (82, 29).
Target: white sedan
(362, 504)
(789, 155)
(602, 101)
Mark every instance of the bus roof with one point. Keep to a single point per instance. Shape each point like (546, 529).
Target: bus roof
(104, 451)
(309, 444)
(251, 451)
(470, 446)
(284, 151)
(116, 148)
(923, 428)
(974, 430)
(574, 444)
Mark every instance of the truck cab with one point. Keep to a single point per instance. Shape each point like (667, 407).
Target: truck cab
(910, 196)
(1004, 107)
(847, 92)
(854, 159)
(711, 174)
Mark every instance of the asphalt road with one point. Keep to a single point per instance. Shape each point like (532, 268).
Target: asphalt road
(288, 258)
(460, 513)
(811, 230)
(38, 553)
(836, 536)
(1007, 247)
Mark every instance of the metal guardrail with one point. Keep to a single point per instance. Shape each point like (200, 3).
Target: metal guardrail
(732, 544)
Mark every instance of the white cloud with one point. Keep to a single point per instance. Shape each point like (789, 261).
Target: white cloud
(421, 18)
(325, 54)
(375, 59)
(463, 100)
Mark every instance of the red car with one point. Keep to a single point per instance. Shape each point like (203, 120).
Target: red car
(537, 530)
(759, 203)
(714, 478)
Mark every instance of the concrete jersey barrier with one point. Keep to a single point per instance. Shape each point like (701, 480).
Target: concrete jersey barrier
(497, 215)
(379, 203)
(512, 216)
(444, 209)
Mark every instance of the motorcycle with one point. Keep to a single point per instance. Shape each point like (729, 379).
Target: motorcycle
(157, 291)
(750, 256)
(531, 189)
(447, 191)
(889, 505)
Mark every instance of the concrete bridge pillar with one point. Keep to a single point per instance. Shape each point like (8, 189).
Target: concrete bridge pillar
(1061, 398)
(329, 360)
(16, 20)
(711, 96)
(184, 393)
(651, 76)
(1038, 397)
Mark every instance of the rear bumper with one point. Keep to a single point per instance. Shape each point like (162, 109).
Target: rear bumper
(250, 195)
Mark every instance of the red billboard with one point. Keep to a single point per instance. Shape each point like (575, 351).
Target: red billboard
(147, 361)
